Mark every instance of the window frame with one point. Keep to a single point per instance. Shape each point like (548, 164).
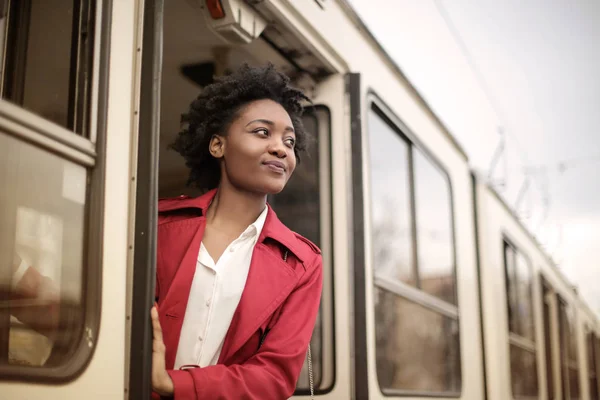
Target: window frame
(591, 347)
(322, 114)
(550, 332)
(413, 294)
(30, 128)
(567, 332)
(597, 358)
(515, 339)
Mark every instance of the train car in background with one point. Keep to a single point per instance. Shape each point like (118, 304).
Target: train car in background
(540, 337)
(432, 287)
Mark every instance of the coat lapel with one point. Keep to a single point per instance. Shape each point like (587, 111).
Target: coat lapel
(173, 309)
(270, 280)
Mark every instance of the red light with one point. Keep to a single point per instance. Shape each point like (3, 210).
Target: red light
(215, 8)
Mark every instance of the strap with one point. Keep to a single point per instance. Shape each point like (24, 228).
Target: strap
(310, 375)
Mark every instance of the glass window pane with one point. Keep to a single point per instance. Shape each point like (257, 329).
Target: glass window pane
(42, 219)
(595, 379)
(523, 368)
(592, 368)
(548, 343)
(570, 338)
(416, 349)
(568, 350)
(590, 353)
(524, 310)
(574, 383)
(298, 206)
(40, 80)
(435, 246)
(390, 202)
(3, 31)
(511, 292)
(563, 347)
(47, 63)
(518, 292)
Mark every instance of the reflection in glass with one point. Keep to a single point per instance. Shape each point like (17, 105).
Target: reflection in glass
(523, 369)
(48, 59)
(519, 295)
(511, 289)
(41, 245)
(298, 206)
(568, 350)
(44, 68)
(524, 308)
(548, 342)
(435, 246)
(592, 366)
(572, 338)
(574, 383)
(390, 202)
(416, 349)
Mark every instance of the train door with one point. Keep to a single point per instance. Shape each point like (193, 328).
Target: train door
(185, 48)
(65, 132)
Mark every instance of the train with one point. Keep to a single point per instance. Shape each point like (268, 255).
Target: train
(433, 287)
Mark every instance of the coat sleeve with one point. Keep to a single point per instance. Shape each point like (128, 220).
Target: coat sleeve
(273, 371)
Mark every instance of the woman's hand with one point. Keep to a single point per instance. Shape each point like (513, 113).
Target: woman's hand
(161, 381)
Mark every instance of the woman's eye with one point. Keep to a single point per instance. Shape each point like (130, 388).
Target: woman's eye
(290, 142)
(262, 131)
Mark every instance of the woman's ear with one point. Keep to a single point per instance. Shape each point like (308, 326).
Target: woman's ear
(216, 146)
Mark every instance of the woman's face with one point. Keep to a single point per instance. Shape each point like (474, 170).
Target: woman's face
(257, 153)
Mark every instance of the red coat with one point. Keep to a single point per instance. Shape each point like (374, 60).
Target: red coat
(279, 304)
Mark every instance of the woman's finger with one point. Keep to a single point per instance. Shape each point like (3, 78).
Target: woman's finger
(161, 381)
(156, 328)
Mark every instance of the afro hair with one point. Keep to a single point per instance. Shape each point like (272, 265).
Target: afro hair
(217, 106)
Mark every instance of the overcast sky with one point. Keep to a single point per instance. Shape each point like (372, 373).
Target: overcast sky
(532, 71)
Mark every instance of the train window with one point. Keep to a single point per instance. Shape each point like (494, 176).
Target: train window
(391, 209)
(519, 286)
(549, 333)
(416, 317)
(411, 339)
(568, 347)
(435, 249)
(301, 207)
(597, 365)
(48, 284)
(520, 316)
(48, 53)
(43, 221)
(298, 207)
(592, 352)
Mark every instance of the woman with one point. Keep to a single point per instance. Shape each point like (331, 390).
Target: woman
(237, 291)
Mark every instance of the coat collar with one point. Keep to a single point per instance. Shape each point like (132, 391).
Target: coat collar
(273, 228)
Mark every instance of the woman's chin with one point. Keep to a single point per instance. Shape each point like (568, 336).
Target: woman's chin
(273, 187)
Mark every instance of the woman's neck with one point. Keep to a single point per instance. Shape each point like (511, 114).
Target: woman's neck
(233, 209)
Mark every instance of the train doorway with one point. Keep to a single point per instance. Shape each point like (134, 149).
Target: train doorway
(183, 53)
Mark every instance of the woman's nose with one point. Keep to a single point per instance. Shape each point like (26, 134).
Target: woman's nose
(277, 148)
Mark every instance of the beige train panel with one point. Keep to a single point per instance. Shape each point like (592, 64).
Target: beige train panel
(104, 377)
